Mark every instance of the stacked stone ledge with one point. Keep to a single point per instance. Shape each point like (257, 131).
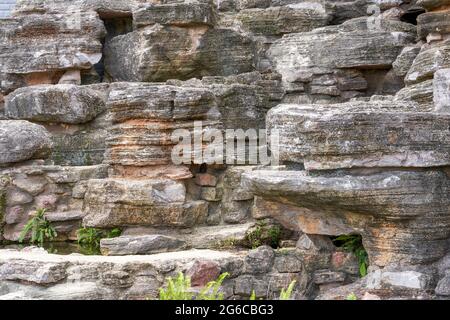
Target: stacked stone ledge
(368, 168)
(100, 119)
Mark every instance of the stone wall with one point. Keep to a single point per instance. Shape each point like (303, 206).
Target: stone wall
(359, 90)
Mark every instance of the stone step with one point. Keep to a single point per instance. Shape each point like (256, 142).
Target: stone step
(151, 240)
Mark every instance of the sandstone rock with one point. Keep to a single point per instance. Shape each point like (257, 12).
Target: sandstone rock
(420, 95)
(359, 134)
(71, 77)
(205, 179)
(365, 203)
(14, 215)
(64, 216)
(404, 60)
(441, 86)
(39, 275)
(327, 276)
(117, 202)
(202, 272)
(132, 245)
(398, 279)
(184, 13)
(32, 185)
(433, 22)
(428, 61)
(36, 272)
(288, 263)
(259, 260)
(159, 53)
(443, 286)
(21, 140)
(433, 4)
(45, 43)
(16, 197)
(47, 202)
(60, 103)
(275, 21)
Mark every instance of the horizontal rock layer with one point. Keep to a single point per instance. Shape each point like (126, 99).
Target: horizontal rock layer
(360, 134)
(403, 216)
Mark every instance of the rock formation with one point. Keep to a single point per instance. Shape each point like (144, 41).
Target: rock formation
(354, 96)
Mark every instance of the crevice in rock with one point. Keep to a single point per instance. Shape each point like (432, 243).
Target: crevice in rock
(410, 16)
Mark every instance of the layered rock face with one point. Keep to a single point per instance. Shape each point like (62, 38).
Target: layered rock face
(97, 98)
(368, 163)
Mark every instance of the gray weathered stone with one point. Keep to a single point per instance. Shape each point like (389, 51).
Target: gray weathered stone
(60, 103)
(132, 245)
(441, 86)
(365, 203)
(22, 140)
(443, 286)
(428, 61)
(54, 42)
(360, 134)
(117, 202)
(259, 260)
(180, 13)
(160, 53)
(351, 45)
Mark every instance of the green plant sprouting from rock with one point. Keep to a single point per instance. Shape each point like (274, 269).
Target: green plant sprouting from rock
(90, 237)
(353, 243)
(351, 296)
(263, 234)
(285, 294)
(40, 229)
(180, 289)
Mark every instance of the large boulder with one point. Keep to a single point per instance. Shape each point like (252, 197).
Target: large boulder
(276, 21)
(403, 216)
(159, 53)
(179, 13)
(57, 104)
(50, 42)
(441, 86)
(23, 140)
(361, 134)
(430, 59)
(119, 202)
(354, 44)
(147, 244)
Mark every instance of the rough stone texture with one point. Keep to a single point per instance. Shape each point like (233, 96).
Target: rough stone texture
(57, 277)
(159, 53)
(116, 202)
(202, 272)
(441, 90)
(404, 60)
(36, 46)
(376, 205)
(443, 287)
(433, 22)
(376, 165)
(59, 103)
(33, 186)
(22, 140)
(275, 21)
(428, 61)
(324, 65)
(126, 245)
(183, 13)
(360, 134)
